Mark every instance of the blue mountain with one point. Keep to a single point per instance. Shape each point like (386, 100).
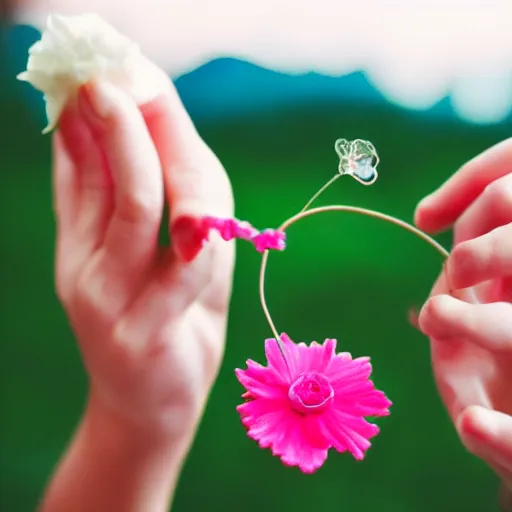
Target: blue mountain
(224, 87)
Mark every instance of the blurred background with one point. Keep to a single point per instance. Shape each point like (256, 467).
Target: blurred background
(271, 85)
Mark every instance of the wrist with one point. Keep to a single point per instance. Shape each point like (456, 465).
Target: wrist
(110, 430)
(113, 464)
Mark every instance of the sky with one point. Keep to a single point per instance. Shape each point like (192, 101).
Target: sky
(415, 52)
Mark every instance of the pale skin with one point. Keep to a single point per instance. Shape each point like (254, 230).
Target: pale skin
(150, 321)
(475, 340)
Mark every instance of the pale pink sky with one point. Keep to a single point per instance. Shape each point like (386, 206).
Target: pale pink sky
(414, 51)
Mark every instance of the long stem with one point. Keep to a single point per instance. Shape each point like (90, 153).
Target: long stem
(336, 208)
(320, 192)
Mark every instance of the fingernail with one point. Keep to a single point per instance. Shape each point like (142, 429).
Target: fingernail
(188, 236)
(96, 98)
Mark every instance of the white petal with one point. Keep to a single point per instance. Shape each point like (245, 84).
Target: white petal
(74, 50)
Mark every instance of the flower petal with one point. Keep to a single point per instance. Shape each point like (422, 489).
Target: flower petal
(302, 443)
(344, 370)
(369, 403)
(258, 386)
(315, 357)
(348, 434)
(292, 355)
(276, 361)
(268, 428)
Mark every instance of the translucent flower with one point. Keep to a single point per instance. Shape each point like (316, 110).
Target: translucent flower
(74, 50)
(313, 400)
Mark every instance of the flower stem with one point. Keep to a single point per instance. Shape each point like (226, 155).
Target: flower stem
(340, 208)
(320, 192)
(337, 208)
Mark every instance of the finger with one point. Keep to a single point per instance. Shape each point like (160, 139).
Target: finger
(442, 208)
(165, 299)
(195, 182)
(132, 233)
(493, 208)
(65, 187)
(487, 434)
(481, 259)
(65, 201)
(486, 325)
(83, 188)
(196, 185)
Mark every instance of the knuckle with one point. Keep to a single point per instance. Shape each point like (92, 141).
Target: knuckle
(139, 207)
(84, 294)
(499, 193)
(120, 334)
(461, 262)
(499, 249)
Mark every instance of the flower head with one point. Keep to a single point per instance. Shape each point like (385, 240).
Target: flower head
(313, 400)
(74, 50)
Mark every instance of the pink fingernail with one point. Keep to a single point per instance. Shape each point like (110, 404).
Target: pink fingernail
(188, 236)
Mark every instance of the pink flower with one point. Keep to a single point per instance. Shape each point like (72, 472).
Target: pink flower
(270, 239)
(233, 228)
(310, 402)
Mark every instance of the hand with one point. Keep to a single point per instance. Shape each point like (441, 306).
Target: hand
(472, 343)
(150, 321)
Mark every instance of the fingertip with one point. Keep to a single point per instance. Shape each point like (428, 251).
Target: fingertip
(435, 315)
(421, 211)
(485, 432)
(101, 102)
(74, 132)
(472, 423)
(427, 216)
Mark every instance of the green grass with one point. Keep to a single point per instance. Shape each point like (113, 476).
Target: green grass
(342, 276)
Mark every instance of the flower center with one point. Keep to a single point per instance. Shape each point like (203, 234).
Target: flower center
(310, 393)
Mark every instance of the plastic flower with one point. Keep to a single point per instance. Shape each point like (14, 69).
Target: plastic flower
(74, 50)
(234, 228)
(313, 400)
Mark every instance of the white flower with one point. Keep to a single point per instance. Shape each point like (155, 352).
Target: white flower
(76, 49)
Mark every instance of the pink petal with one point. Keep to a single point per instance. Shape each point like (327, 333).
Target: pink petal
(276, 361)
(316, 357)
(269, 239)
(257, 411)
(292, 355)
(257, 385)
(348, 435)
(371, 403)
(352, 387)
(233, 228)
(301, 443)
(343, 370)
(267, 428)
